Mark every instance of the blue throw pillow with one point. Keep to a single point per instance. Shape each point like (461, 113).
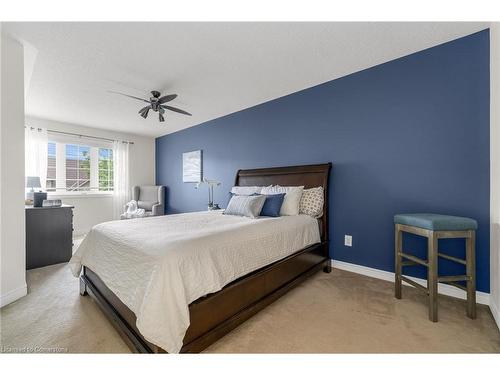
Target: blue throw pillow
(272, 205)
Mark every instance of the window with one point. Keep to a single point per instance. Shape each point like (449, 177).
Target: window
(76, 168)
(51, 167)
(105, 169)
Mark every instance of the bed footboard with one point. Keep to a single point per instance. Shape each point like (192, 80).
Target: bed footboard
(218, 313)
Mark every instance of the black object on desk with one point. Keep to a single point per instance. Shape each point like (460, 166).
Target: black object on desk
(38, 198)
(49, 235)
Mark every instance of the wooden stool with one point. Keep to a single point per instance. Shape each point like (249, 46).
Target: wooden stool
(435, 227)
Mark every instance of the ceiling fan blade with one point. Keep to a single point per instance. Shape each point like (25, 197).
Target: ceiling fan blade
(130, 96)
(161, 118)
(144, 111)
(175, 110)
(167, 98)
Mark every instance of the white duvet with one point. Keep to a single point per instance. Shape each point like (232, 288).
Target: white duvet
(158, 265)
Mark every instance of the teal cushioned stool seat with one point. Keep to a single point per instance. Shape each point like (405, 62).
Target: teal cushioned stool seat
(436, 227)
(436, 222)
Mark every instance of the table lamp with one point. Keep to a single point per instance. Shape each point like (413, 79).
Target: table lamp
(211, 183)
(32, 182)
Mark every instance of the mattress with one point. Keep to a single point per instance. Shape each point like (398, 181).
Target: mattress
(158, 265)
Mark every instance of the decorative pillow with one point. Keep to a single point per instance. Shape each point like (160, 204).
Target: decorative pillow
(272, 205)
(246, 190)
(291, 201)
(245, 205)
(312, 202)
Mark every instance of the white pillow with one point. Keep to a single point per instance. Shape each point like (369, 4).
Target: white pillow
(246, 190)
(292, 198)
(312, 202)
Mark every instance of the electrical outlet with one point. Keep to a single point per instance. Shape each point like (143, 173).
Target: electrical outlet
(348, 240)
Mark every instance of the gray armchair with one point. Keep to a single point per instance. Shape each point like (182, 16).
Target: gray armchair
(151, 198)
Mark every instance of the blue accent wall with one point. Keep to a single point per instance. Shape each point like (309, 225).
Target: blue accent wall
(410, 135)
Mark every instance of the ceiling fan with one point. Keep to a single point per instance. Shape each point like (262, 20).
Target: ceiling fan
(156, 104)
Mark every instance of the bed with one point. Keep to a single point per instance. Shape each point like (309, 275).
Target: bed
(124, 278)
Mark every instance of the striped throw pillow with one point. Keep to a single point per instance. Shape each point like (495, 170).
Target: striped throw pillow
(245, 205)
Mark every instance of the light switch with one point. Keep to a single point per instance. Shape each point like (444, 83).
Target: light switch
(347, 240)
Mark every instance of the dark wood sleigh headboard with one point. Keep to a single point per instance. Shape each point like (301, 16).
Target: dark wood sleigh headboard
(308, 176)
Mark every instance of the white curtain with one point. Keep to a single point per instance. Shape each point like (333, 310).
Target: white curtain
(121, 194)
(35, 162)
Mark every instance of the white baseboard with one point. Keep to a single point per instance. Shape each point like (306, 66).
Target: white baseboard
(13, 295)
(447, 290)
(495, 311)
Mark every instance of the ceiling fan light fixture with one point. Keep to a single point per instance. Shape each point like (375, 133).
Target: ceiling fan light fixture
(156, 104)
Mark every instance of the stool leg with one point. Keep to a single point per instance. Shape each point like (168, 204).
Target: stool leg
(398, 248)
(432, 275)
(470, 250)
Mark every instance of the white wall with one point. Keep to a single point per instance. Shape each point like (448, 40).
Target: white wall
(12, 238)
(495, 170)
(92, 210)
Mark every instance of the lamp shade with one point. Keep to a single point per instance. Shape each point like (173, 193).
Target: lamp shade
(33, 182)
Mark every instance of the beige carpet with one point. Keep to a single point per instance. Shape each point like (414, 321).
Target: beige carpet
(339, 312)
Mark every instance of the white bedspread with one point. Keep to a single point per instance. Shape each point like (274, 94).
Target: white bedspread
(158, 265)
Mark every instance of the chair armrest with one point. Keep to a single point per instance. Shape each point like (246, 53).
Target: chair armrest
(161, 195)
(157, 209)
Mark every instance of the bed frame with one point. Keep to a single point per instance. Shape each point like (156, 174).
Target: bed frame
(216, 314)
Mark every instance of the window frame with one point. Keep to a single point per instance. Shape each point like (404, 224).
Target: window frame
(49, 156)
(75, 152)
(61, 181)
(109, 170)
